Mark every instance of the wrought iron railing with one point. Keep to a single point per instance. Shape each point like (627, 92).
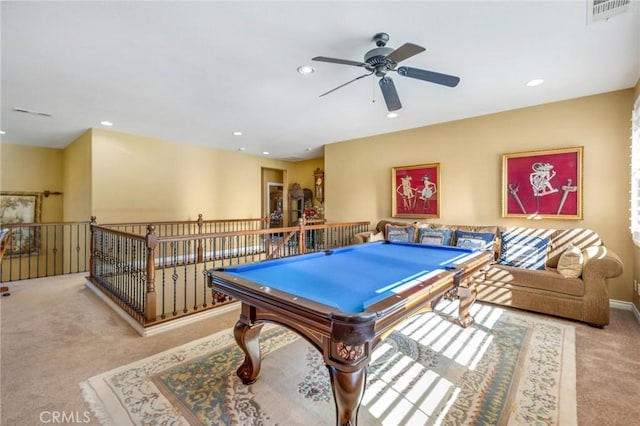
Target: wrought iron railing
(157, 272)
(189, 227)
(38, 250)
(156, 278)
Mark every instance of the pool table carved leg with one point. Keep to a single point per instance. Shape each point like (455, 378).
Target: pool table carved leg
(348, 389)
(467, 296)
(248, 338)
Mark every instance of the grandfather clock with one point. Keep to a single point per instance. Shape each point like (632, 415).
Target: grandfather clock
(319, 184)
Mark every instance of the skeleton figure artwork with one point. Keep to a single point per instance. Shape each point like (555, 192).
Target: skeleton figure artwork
(428, 191)
(416, 191)
(540, 180)
(543, 184)
(407, 192)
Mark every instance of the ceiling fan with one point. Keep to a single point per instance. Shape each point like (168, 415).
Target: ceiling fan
(381, 60)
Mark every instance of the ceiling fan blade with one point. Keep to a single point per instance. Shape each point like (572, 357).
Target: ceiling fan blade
(405, 51)
(390, 94)
(348, 82)
(339, 61)
(430, 76)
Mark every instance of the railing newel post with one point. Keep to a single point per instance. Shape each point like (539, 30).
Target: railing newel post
(92, 224)
(301, 235)
(151, 242)
(200, 225)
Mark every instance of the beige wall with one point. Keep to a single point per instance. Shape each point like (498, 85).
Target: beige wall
(76, 178)
(302, 172)
(143, 179)
(33, 169)
(470, 156)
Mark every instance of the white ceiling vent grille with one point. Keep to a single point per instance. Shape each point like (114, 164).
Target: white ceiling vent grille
(598, 10)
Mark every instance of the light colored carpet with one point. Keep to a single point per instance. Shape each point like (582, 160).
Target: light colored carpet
(511, 368)
(55, 333)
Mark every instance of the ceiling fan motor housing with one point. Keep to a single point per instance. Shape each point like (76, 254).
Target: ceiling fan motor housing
(377, 60)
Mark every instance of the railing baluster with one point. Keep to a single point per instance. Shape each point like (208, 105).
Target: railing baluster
(122, 258)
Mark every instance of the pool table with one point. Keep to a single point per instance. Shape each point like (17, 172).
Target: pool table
(345, 301)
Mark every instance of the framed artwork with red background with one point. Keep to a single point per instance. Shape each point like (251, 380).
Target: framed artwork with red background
(415, 191)
(543, 184)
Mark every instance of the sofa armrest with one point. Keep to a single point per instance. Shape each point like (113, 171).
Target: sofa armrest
(361, 237)
(601, 262)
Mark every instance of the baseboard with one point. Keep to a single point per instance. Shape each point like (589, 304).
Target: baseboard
(627, 306)
(165, 326)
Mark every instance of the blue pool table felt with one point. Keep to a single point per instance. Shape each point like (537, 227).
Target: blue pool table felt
(352, 278)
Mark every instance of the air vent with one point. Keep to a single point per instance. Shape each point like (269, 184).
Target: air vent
(292, 159)
(598, 10)
(32, 112)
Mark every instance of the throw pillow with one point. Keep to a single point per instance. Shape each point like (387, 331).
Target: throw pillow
(378, 236)
(435, 237)
(523, 251)
(404, 234)
(570, 262)
(475, 240)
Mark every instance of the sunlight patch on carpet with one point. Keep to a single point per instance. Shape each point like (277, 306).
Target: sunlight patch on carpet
(511, 367)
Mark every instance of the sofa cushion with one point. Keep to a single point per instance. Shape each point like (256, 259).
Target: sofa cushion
(570, 263)
(578, 237)
(523, 251)
(436, 237)
(405, 234)
(476, 240)
(376, 236)
(381, 226)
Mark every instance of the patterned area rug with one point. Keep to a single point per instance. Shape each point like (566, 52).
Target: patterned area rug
(511, 368)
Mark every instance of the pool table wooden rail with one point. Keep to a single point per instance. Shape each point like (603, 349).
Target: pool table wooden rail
(346, 340)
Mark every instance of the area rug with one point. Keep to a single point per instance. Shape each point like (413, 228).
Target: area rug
(510, 368)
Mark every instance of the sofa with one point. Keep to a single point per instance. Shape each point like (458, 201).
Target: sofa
(560, 272)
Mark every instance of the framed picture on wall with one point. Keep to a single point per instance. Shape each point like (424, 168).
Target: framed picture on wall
(21, 207)
(415, 191)
(543, 184)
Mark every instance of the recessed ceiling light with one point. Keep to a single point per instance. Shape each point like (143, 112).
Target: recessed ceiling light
(2, 132)
(535, 82)
(392, 115)
(106, 123)
(305, 69)
(237, 133)
(309, 149)
(265, 152)
(242, 148)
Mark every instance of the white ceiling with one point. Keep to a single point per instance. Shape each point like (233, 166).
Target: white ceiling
(194, 72)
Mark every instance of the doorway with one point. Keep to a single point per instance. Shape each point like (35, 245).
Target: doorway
(274, 201)
(275, 204)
